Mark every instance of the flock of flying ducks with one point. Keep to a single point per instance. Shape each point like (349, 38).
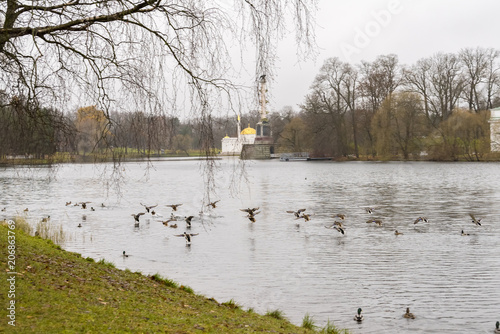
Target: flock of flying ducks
(339, 220)
(337, 225)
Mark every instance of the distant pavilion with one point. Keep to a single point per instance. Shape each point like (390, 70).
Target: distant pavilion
(234, 145)
(495, 129)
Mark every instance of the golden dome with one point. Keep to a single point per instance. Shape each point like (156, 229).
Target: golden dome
(248, 131)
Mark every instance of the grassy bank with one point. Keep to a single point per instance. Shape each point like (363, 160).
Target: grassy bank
(59, 291)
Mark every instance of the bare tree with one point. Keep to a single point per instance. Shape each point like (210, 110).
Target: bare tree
(492, 85)
(417, 79)
(475, 63)
(143, 55)
(48, 47)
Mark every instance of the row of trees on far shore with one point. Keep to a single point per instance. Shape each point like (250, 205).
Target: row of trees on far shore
(437, 108)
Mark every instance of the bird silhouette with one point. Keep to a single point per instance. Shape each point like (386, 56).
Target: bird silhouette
(174, 206)
(420, 219)
(125, 255)
(136, 216)
(296, 213)
(397, 233)
(474, 220)
(187, 236)
(305, 216)
(84, 204)
(213, 204)
(149, 207)
(249, 210)
(188, 221)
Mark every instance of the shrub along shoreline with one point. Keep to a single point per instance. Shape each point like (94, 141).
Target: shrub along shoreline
(59, 291)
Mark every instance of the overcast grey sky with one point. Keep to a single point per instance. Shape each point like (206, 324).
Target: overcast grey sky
(363, 29)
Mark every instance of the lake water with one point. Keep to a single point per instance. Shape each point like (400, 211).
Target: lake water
(450, 282)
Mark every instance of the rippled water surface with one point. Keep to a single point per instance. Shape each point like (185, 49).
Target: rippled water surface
(450, 282)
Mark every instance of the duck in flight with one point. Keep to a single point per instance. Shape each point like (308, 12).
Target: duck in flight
(149, 207)
(174, 206)
(336, 225)
(249, 210)
(296, 213)
(251, 215)
(213, 204)
(474, 220)
(188, 221)
(420, 219)
(68, 203)
(136, 217)
(124, 254)
(305, 216)
(187, 236)
(84, 204)
(464, 234)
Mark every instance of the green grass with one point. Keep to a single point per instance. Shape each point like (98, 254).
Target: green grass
(59, 291)
(276, 314)
(308, 322)
(166, 281)
(186, 289)
(330, 328)
(231, 304)
(106, 263)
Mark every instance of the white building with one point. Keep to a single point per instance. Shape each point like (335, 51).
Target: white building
(495, 129)
(234, 145)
